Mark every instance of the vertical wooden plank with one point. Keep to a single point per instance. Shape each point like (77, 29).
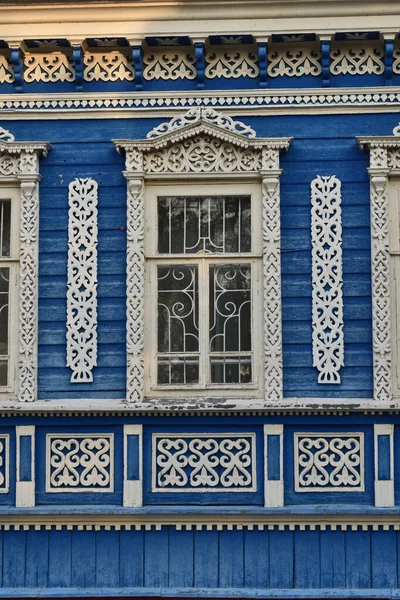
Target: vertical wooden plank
(131, 558)
(231, 558)
(358, 559)
(156, 558)
(256, 559)
(181, 558)
(14, 559)
(60, 552)
(206, 558)
(333, 559)
(384, 559)
(306, 559)
(83, 572)
(281, 559)
(1, 557)
(37, 558)
(107, 558)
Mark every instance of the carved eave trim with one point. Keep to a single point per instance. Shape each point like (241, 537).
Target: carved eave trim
(379, 141)
(41, 148)
(281, 144)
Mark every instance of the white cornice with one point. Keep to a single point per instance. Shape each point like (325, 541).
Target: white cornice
(135, 20)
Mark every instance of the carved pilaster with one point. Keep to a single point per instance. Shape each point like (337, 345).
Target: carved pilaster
(272, 277)
(29, 225)
(380, 274)
(135, 287)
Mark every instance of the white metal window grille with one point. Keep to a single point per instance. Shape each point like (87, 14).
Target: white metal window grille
(8, 274)
(204, 303)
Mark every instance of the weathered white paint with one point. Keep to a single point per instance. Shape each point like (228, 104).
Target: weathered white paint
(384, 490)
(133, 490)
(25, 490)
(273, 490)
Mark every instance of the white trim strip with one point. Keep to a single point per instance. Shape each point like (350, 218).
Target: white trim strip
(384, 488)
(25, 490)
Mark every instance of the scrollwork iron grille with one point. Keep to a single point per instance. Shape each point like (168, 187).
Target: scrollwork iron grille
(204, 314)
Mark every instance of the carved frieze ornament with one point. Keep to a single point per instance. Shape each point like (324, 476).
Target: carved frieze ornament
(6, 72)
(205, 143)
(20, 160)
(384, 161)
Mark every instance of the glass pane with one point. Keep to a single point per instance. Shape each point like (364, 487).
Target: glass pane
(178, 370)
(3, 373)
(231, 369)
(4, 293)
(5, 227)
(211, 224)
(178, 313)
(230, 308)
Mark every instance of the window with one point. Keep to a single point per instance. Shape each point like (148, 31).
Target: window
(203, 260)
(9, 261)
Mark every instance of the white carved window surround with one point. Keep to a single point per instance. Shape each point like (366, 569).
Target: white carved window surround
(19, 185)
(384, 172)
(203, 153)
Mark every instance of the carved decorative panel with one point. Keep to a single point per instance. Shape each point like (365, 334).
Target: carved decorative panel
(329, 462)
(327, 278)
(6, 72)
(51, 67)
(396, 60)
(4, 463)
(195, 463)
(231, 63)
(82, 280)
(80, 462)
(108, 66)
(202, 154)
(169, 64)
(356, 59)
(294, 61)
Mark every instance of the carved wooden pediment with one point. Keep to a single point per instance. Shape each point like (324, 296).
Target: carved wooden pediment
(201, 141)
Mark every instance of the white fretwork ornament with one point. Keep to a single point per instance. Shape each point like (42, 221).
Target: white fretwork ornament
(82, 280)
(327, 278)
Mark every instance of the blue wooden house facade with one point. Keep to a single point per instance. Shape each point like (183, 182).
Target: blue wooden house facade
(199, 283)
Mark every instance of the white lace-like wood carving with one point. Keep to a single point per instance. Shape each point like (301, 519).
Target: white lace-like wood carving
(231, 63)
(51, 67)
(396, 60)
(327, 278)
(135, 291)
(80, 462)
(107, 66)
(384, 157)
(202, 141)
(356, 59)
(169, 64)
(329, 462)
(82, 280)
(4, 463)
(294, 61)
(272, 284)
(197, 463)
(197, 115)
(6, 72)
(21, 160)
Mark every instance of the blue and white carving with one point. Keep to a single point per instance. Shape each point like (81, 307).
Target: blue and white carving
(204, 462)
(80, 462)
(329, 462)
(82, 280)
(327, 278)
(4, 463)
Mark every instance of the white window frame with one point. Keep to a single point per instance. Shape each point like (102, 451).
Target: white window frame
(202, 146)
(19, 170)
(153, 259)
(12, 262)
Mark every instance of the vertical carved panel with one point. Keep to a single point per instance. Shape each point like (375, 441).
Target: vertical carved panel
(82, 280)
(272, 275)
(135, 289)
(380, 273)
(29, 226)
(327, 279)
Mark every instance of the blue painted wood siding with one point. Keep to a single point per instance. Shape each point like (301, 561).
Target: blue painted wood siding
(323, 145)
(200, 561)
